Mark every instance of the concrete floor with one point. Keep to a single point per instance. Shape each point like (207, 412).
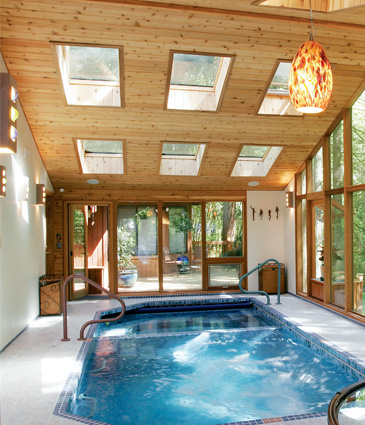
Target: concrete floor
(35, 366)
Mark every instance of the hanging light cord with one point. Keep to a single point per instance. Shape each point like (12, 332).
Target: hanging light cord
(313, 32)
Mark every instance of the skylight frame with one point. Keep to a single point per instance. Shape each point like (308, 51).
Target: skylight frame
(68, 84)
(221, 80)
(83, 156)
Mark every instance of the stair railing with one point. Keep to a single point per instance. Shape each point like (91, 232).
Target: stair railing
(90, 322)
(262, 292)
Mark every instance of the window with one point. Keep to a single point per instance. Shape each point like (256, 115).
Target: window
(196, 81)
(276, 100)
(90, 75)
(358, 293)
(100, 156)
(181, 159)
(255, 161)
(338, 250)
(317, 171)
(337, 158)
(358, 141)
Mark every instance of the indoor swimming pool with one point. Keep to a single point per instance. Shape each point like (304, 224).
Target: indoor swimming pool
(201, 367)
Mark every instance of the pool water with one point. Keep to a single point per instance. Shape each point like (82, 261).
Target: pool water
(207, 377)
(161, 323)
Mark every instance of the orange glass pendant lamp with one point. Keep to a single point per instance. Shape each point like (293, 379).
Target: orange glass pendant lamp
(310, 79)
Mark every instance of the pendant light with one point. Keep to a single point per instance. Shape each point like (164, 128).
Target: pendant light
(310, 77)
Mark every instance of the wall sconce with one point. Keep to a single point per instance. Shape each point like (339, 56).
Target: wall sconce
(8, 114)
(289, 199)
(2, 181)
(40, 194)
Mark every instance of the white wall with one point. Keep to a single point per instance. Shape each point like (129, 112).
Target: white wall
(289, 243)
(22, 234)
(270, 238)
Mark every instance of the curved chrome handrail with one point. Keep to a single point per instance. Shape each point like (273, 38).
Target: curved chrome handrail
(262, 292)
(85, 325)
(335, 403)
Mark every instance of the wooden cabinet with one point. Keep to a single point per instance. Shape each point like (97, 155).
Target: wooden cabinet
(50, 295)
(268, 279)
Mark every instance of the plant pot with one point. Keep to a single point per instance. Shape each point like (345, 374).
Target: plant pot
(127, 278)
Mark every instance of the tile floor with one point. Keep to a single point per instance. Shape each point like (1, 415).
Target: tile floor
(35, 366)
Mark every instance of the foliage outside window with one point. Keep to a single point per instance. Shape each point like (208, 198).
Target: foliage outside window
(338, 250)
(194, 70)
(253, 151)
(358, 201)
(224, 229)
(180, 149)
(279, 84)
(358, 140)
(137, 233)
(317, 171)
(92, 63)
(79, 227)
(337, 157)
(180, 225)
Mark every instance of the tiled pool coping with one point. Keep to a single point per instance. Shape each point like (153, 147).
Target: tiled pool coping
(350, 363)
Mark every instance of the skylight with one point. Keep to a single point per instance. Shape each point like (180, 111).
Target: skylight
(196, 81)
(100, 156)
(195, 70)
(276, 100)
(181, 159)
(110, 147)
(255, 161)
(92, 63)
(90, 75)
(279, 83)
(258, 152)
(180, 149)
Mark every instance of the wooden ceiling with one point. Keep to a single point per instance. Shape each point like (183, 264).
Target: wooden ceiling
(258, 36)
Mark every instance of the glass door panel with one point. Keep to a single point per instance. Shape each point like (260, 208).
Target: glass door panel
(223, 229)
(182, 247)
(224, 234)
(137, 248)
(78, 250)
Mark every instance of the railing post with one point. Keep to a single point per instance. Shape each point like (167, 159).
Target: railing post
(262, 292)
(85, 325)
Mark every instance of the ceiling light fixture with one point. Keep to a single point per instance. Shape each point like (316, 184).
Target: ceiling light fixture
(310, 77)
(93, 181)
(253, 184)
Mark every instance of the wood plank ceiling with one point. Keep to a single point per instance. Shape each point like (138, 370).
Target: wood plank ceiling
(258, 36)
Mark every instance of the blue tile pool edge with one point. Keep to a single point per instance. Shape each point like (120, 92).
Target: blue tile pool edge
(345, 360)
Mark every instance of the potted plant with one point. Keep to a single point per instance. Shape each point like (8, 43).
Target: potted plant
(127, 272)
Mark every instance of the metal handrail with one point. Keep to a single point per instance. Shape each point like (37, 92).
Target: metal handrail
(85, 325)
(262, 292)
(335, 403)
